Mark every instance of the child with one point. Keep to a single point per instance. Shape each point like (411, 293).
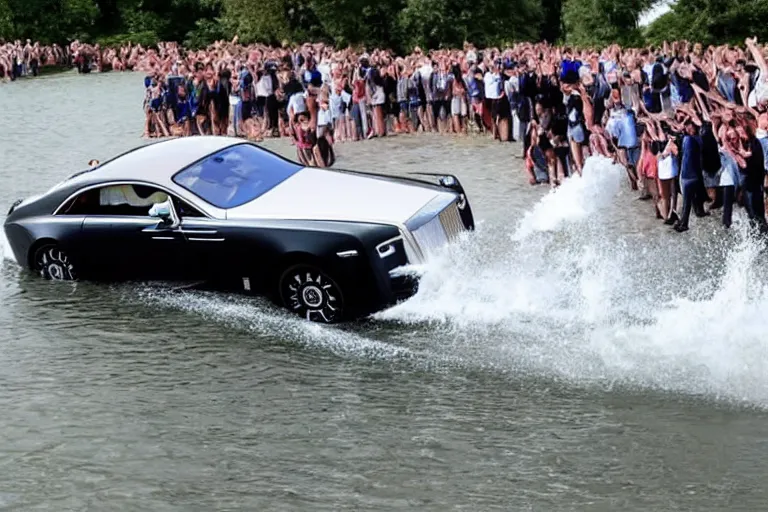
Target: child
(305, 139)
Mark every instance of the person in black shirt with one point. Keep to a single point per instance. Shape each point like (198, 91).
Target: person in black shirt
(754, 175)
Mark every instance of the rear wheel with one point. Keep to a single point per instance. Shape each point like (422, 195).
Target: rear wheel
(53, 263)
(312, 294)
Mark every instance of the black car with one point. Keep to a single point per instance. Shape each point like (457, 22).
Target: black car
(323, 243)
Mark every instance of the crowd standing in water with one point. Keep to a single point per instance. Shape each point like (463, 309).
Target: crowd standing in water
(19, 59)
(682, 118)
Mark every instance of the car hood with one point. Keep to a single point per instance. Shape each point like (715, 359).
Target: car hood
(314, 193)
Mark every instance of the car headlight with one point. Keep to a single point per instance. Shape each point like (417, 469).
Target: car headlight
(462, 203)
(448, 181)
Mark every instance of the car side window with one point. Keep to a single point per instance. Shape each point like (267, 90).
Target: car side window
(123, 200)
(185, 210)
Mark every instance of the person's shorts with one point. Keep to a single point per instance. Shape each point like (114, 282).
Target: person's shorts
(246, 110)
(394, 108)
(544, 142)
(156, 104)
(500, 108)
(458, 106)
(324, 130)
(378, 98)
(438, 106)
(260, 105)
(633, 155)
(577, 134)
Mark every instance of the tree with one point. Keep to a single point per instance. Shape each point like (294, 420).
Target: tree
(712, 21)
(448, 23)
(51, 20)
(602, 22)
(7, 30)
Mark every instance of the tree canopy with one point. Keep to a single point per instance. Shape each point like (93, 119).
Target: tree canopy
(711, 21)
(396, 24)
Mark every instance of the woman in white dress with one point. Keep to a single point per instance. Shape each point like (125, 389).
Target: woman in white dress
(668, 170)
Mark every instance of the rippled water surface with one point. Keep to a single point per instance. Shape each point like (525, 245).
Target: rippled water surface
(571, 354)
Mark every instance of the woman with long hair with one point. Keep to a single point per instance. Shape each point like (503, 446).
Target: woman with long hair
(459, 108)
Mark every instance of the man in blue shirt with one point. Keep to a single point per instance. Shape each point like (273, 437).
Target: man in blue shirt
(691, 178)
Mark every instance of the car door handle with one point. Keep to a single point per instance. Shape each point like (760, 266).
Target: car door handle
(196, 232)
(180, 231)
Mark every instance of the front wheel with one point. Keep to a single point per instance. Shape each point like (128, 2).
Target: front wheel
(53, 264)
(309, 292)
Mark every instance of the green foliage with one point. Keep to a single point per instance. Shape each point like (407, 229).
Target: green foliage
(664, 28)
(395, 24)
(712, 21)
(205, 32)
(148, 38)
(6, 21)
(448, 23)
(47, 20)
(603, 22)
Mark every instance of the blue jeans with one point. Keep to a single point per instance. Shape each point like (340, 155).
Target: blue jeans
(238, 115)
(361, 119)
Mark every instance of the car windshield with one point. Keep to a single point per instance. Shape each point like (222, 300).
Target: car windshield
(236, 175)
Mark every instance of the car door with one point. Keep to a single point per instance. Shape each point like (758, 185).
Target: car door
(122, 241)
(221, 252)
(205, 243)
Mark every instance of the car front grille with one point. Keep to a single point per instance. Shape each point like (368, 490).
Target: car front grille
(440, 230)
(451, 221)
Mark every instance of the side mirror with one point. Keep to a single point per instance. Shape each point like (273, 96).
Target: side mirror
(166, 212)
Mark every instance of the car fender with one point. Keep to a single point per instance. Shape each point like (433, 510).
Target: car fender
(28, 234)
(345, 250)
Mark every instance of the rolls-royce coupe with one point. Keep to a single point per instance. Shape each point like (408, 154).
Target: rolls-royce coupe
(323, 243)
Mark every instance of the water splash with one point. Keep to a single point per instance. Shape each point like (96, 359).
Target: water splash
(559, 297)
(5, 249)
(577, 199)
(262, 320)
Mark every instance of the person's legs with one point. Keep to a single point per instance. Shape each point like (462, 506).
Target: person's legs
(755, 205)
(700, 198)
(728, 196)
(651, 187)
(357, 119)
(363, 113)
(689, 193)
(526, 137)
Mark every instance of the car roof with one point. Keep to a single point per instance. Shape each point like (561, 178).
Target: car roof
(157, 162)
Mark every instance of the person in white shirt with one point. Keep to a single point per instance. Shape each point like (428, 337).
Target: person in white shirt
(495, 101)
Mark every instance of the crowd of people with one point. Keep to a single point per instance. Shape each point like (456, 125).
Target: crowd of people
(683, 119)
(19, 59)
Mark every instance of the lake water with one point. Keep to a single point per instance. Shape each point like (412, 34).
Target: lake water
(572, 354)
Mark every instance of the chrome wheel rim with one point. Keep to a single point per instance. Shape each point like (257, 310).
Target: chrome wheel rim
(53, 263)
(312, 295)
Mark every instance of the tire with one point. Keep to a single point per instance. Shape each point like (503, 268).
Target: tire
(53, 264)
(310, 293)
